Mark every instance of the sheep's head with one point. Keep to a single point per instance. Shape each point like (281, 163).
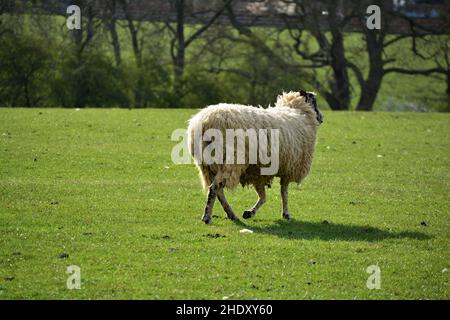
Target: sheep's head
(310, 98)
(301, 100)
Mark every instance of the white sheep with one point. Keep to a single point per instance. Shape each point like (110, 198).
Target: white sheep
(296, 117)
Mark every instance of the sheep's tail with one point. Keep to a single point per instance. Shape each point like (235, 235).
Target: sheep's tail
(206, 176)
(195, 134)
(226, 174)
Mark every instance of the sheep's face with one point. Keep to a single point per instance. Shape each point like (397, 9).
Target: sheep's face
(300, 100)
(310, 98)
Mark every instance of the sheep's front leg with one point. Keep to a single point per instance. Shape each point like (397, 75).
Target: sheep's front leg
(261, 200)
(284, 199)
(212, 194)
(225, 205)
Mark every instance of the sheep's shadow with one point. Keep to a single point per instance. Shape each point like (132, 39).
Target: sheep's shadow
(295, 229)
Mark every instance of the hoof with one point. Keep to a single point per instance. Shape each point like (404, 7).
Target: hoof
(248, 214)
(206, 219)
(232, 217)
(287, 217)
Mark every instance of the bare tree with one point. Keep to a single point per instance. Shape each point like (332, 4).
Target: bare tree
(326, 22)
(83, 38)
(377, 43)
(110, 20)
(180, 42)
(134, 26)
(436, 50)
(330, 52)
(319, 17)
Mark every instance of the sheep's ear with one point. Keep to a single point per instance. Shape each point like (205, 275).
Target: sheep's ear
(303, 93)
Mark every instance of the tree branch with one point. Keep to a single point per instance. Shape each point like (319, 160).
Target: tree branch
(424, 72)
(208, 24)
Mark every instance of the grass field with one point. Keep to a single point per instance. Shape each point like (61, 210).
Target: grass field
(97, 189)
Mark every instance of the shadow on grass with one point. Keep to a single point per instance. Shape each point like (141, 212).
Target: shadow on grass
(329, 231)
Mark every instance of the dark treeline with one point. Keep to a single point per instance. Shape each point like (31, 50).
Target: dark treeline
(203, 52)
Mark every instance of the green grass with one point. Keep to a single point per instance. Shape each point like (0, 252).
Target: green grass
(100, 186)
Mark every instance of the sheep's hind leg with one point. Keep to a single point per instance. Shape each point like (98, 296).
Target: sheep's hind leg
(284, 199)
(212, 194)
(261, 200)
(225, 205)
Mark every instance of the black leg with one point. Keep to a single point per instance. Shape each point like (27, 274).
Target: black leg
(260, 189)
(212, 194)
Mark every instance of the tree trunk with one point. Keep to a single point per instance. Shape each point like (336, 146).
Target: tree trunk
(448, 90)
(180, 54)
(371, 87)
(138, 90)
(331, 100)
(111, 25)
(369, 92)
(27, 94)
(82, 39)
(135, 43)
(79, 84)
(115, 42)
(341, 83)
(79, 89)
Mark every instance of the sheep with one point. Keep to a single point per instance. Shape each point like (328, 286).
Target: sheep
(295, 115)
